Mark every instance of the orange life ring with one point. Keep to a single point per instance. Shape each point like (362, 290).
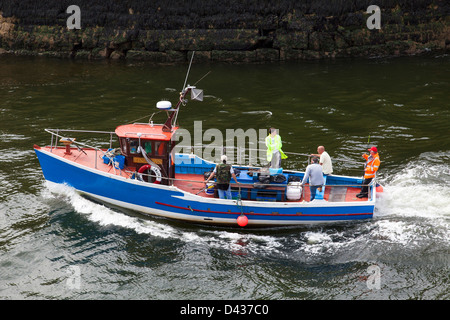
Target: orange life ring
(154, 170)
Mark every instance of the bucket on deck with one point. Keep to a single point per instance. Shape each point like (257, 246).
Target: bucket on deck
(209, 188)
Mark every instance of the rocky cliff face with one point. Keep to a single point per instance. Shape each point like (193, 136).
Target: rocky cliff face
(234, 30)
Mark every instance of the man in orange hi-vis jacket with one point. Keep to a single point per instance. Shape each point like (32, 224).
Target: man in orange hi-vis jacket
(370, 168)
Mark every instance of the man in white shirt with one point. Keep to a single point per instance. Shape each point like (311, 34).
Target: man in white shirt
(325, 160)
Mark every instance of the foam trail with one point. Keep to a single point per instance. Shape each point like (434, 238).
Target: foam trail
(415, 206)
(267, 113)
(105, 216)
(422, 189)
(412, 213)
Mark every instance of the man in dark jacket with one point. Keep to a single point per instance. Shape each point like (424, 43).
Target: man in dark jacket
(224, 172)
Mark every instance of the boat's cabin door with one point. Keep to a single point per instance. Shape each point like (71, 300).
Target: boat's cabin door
(139, 152)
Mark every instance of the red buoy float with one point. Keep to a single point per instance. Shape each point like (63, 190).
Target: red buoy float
(242, 220)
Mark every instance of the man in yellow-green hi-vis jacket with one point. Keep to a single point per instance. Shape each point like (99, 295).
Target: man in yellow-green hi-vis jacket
(274, 152)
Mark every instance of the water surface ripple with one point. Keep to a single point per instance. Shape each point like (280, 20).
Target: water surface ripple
(48, 232)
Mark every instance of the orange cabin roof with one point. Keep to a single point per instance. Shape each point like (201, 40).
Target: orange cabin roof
(147, 131)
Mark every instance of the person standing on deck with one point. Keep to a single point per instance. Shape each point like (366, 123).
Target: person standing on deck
(324, 161)
(274, 152)
(315, 175)
(224, 172)
(370, 169)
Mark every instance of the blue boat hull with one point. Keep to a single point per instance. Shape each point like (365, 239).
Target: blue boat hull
(171, 202)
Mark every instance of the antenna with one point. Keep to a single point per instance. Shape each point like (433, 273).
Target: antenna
(197, 95)
(202, 78)
(182, 90)
(189, 69)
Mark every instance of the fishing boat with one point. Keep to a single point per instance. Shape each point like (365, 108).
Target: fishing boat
(145, 174)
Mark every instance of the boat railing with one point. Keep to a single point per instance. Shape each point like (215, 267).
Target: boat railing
(243, 156)
(57, 133)
(260, 185)
(240, 156)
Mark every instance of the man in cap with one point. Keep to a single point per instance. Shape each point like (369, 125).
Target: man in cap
(370, 168)
(224, 172)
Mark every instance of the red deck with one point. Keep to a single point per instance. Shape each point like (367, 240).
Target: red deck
(192, 183)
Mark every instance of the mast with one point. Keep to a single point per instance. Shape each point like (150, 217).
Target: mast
(195, 95)
(172, 118)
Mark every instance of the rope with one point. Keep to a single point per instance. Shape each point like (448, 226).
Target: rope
(240, 200)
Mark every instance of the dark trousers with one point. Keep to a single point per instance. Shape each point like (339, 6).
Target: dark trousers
(313, 190)
(365, 188)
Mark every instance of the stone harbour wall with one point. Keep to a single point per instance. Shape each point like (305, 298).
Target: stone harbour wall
(235, 30)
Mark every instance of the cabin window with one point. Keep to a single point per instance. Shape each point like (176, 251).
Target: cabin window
(148, 146)
(134, 146)
(160, 147)
(124, 146)
(151, 148)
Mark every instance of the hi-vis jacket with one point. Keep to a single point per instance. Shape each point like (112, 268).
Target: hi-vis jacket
(276, 145)
(371, 166)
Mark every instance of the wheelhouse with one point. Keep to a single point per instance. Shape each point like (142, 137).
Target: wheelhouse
(147, 145)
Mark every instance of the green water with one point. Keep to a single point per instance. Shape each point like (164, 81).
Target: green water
(401, 105)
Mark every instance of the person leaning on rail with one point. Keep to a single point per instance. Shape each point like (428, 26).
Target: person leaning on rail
(324, 161)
